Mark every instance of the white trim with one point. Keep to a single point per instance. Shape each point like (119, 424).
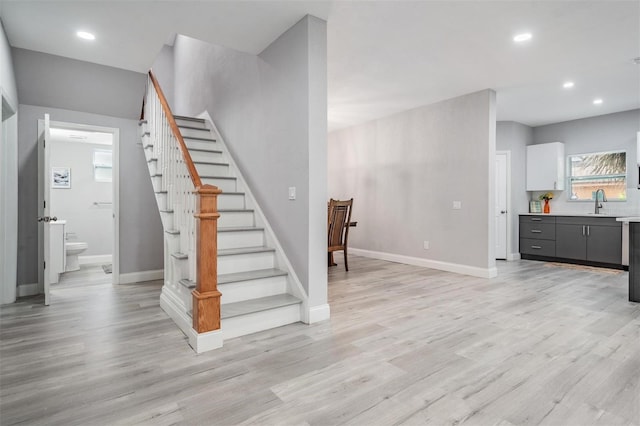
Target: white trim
(428, 263)
(200, 342)
(98, 258)
(142, 276)
(513, 256)
(318, 313)
(508, 201)
(28, 289)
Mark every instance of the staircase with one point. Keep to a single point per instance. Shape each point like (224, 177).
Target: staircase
(259, 289)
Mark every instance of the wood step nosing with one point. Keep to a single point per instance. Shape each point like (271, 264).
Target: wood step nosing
(183, 117)
(204, 129)
(166, 211)
(211, 163)
(217, 151)
(173, 231)
(236, 210)
(245, 250)
(239, 229)
(198, 139)
(219, 177)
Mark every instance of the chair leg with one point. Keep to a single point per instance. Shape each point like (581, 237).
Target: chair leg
(346, 264)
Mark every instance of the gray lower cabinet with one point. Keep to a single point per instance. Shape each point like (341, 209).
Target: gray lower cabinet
(596, 240)
(583, 239)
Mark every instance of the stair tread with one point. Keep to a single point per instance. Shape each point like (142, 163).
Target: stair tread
(238, 228)
(166, 211)
(231, 310)
(141, 122)
(152, 159)
(182, 126)
(244, 250)
(187, 283)
(250, 275)
(235, 210)
(198, 139)
(231, 193)
(173, 231)
(183, 117)
(219, 177)
(211, 162)
(179, 255)
(161, 192)
(217, 151)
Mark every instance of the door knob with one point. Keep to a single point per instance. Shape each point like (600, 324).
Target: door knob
(54, 219)
(47, 219)
(503, 211)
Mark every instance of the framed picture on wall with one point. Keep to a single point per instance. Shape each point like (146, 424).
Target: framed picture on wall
(61, 177)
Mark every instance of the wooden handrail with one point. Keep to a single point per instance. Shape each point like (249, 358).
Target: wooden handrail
(195, 177)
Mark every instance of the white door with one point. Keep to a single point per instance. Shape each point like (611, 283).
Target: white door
(44, 218)
(501, 206)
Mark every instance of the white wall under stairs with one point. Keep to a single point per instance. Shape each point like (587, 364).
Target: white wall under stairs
(259, 289)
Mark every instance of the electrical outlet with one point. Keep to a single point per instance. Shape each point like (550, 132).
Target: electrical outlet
(457, 205)
(426, 245)
(292, 192)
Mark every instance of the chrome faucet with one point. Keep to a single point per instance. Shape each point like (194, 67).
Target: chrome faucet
(598, 204)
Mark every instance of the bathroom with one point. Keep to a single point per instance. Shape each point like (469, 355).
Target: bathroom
(81, 197)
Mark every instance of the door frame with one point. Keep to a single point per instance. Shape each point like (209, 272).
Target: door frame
(115, 132)
(507, 154)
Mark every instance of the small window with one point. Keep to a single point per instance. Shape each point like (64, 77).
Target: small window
(102, 165)
(590, 172)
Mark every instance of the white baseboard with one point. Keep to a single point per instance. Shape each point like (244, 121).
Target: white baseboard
(202, 342)
(513, 256)
(98, 258)
(428, 263)
(142, 276)
(318, 313)
(28, 290)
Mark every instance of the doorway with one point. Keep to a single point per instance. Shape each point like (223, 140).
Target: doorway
(8, 201)
(502, 207)
(81, 197)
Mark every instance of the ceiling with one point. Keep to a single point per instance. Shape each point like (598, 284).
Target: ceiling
(383, 56)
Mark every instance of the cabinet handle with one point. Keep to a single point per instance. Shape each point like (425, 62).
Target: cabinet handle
(536, 219)
(554, 184)
(536, 231)
(536, 247)
(588, 230)
(583, 232)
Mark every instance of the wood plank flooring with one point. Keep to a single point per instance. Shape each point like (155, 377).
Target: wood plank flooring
(405, 345)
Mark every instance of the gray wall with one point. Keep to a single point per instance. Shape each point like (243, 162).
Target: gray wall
(271, 111)
(8, 173)
(163, 70)
(405, 171)
(54, 81)
(596, 134)
(87, 222)
(514, 137)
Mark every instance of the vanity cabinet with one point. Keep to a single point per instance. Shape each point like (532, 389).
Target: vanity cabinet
(592, 239)
(545, 167)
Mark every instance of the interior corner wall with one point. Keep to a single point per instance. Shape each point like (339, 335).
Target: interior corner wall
(163, 71)
(271, 111)
(514, 137)
(404, 173)
(8, 173)
(141, 236)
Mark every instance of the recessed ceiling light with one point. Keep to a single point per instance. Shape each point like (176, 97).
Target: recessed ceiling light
(85, 35)
(522, 37)
(597, 101)
(568, 85)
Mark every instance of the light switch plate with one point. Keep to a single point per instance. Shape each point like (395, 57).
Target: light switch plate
(457, 205)
(292, 192)
(426, 245)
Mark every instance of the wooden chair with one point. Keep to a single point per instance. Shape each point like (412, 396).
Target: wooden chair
(339, 220)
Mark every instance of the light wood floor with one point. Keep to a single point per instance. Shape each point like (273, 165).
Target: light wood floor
(405, 345)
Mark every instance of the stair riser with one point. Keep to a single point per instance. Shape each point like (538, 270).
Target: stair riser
(172, 242)
(148, 151)
(161, 199)
(245, 262)
(167, 220)
(223, 184)
(195, 133)
(156, 182)
(206, 156)
(180, 270)
(252, 289)
(260, 321)
(198, 144)
(228, 219)
(152, 165)
(190, 123)
(212, 169)
(240, 239)
(230, 201)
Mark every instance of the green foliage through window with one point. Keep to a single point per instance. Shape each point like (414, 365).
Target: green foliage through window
(590, 172)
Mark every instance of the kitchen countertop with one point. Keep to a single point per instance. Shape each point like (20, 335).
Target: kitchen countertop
(579, 215)
(629, 219)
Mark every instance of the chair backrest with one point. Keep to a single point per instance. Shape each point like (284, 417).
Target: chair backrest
(339, 219)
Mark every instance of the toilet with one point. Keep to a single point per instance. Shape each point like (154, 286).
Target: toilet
(72, 251)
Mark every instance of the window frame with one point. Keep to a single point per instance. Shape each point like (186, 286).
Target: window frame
(570, 179)
(97, 165)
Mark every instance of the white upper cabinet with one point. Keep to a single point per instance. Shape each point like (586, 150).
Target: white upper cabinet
(545, 167)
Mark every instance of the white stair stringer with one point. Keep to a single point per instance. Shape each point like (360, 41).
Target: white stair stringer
(259, 288)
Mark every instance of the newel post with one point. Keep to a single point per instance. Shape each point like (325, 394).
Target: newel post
(206, 297)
